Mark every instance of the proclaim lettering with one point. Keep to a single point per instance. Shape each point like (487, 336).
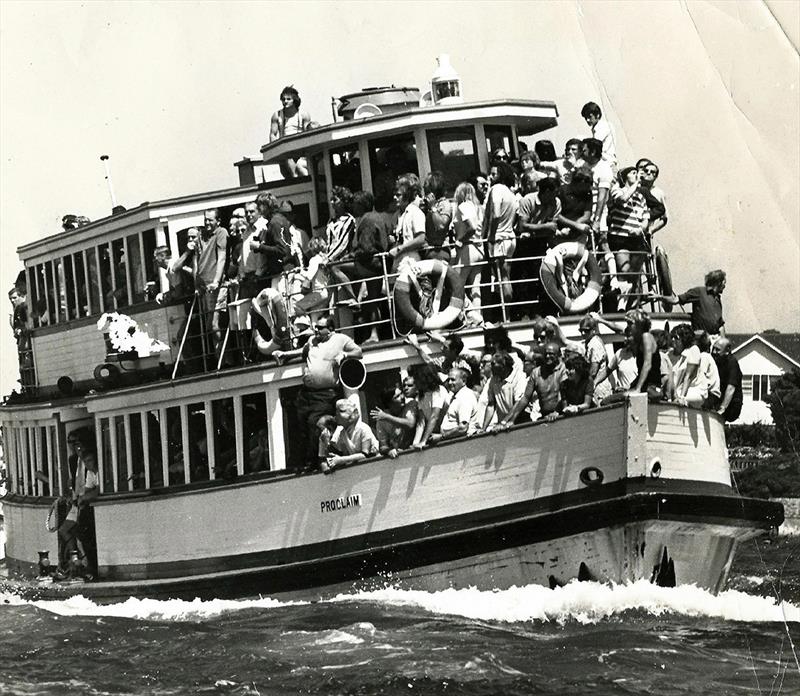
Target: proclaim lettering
(340, 503)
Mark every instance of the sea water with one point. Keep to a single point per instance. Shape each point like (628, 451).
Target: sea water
(584, 638)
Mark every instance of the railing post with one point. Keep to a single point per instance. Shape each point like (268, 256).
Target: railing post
(183, 339)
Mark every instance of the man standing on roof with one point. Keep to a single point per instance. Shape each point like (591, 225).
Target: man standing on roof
(289, 120)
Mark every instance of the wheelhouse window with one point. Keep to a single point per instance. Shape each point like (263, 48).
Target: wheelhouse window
(119, 260)
(498, 137)
(133, 253)
(389, 158)
(346, 168)
(454, 153)
(95, 295)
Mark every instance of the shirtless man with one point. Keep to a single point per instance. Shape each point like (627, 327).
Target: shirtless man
(289, 120)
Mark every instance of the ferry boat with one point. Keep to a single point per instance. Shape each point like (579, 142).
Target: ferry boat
(633, 490)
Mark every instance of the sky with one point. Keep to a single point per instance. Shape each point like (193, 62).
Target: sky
(175, 92)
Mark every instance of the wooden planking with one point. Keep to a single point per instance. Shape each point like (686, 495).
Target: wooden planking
(75, 352)
(466, 477)
(26, 534)
(689, 443)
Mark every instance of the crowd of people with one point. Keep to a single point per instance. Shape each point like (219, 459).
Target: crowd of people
(459, 392)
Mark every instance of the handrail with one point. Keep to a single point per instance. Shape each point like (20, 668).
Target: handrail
(505, 306)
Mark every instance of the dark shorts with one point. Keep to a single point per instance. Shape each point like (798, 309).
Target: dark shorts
(624, 242)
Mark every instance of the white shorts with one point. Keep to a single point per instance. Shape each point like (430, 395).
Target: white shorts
(503, 248)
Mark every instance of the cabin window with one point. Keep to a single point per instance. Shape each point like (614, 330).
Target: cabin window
(198, 442)
(119, 273)
(255, 431)
(149, 245)
(155, 457)
(80, 284)
(175, 464)
(95, 296)
(454, 153)
(33, 295)
(50, 293)
(70, 301)
(346, 168)
(224, 428)
(121, 445)
(106, 289)
(133, 253)
(388, 159)
(137, 458)
(499, 137)
(108, 457)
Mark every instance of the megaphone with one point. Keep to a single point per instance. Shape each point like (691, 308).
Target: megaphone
(352, 373)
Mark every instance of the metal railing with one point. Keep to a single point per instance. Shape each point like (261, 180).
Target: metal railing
(202, 349)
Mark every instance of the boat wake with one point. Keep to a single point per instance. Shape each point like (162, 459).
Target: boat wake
(581, 602)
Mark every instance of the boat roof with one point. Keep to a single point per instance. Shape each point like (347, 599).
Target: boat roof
(528, 116)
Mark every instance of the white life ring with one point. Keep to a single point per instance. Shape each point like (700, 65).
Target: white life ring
(547, 273)
(450, 288)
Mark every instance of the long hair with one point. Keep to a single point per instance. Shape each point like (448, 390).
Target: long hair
(466, 192)
(292, 92)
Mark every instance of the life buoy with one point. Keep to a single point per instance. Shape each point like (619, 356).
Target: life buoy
(547, 273)
(662, 271)
(448, 286)
(270, 306)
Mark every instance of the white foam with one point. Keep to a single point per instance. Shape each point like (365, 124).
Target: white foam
(585, 602)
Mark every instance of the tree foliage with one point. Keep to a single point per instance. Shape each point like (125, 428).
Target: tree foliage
(784, 402)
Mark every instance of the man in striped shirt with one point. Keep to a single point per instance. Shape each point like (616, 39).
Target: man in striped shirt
(628, 219)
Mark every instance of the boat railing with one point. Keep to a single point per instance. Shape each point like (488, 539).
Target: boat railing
(204, 348)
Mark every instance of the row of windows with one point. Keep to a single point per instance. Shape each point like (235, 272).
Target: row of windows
(31, 453)
(452, 151)
(100, 279)
(184, 444)
(758, 387)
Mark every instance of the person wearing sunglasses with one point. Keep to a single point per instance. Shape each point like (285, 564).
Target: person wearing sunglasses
(656, 200)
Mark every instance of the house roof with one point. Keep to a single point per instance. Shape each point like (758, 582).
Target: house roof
(787, 344)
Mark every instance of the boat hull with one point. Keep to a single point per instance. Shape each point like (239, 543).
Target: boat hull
(544, 503)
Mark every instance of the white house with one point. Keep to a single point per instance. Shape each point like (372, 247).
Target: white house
(763, 358)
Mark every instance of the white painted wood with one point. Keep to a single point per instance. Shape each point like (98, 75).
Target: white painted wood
(238, 418)
(461, 477)
(689, 443)
(423, 156)
(162, 424)
(101, 455)
(277, 448)
(10, 453)
(112, 431)
(184, 411)
(144, 423)
(636, 435)
(211, 453)
(126, 421)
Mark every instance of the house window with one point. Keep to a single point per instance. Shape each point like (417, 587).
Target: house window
(760, 386)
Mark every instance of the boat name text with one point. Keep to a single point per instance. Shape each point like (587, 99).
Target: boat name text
(340, 503)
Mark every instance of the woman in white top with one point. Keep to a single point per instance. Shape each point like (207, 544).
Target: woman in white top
(690, 376)
(467, 225)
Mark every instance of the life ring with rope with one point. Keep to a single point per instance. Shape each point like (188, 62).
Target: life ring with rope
(446, 289)
(555, 282)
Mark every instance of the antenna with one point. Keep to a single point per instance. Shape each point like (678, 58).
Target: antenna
(104, 160)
